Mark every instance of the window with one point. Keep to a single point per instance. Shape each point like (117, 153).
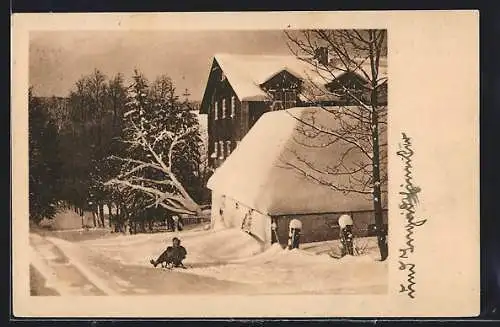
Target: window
(221, 150)
(284, 98)
(216, 107)
(223, 108)
(216, 150)
(277, 105)
(233, 107)
(222, 76)
(228, 148)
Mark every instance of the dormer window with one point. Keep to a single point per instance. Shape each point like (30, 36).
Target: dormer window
(216, 109)
(284, 98)
(233, 106)
(223, 108)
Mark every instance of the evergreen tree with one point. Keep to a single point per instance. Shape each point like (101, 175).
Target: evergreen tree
(44, 162)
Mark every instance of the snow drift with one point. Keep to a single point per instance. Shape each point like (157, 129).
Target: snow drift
(203, 247)
(298, 271)
(234, 256)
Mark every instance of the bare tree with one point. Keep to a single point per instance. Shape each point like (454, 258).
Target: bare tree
(347, 82)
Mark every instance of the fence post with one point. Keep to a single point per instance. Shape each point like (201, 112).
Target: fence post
(295, 229)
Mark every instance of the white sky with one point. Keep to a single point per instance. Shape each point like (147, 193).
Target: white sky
(59, 59)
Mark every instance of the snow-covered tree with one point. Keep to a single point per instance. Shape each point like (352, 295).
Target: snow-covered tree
(163, 146)
(349, 63)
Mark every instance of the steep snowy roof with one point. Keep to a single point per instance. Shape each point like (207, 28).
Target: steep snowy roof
(246, 73)
(257, 173)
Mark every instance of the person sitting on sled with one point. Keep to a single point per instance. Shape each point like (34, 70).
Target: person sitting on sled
(172, 256)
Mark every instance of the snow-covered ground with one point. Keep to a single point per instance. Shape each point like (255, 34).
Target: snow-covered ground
(233, 256)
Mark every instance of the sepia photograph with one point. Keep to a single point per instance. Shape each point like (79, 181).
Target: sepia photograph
(235, 162)
(274, 164)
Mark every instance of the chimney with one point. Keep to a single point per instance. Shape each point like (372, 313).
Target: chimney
(321, 55)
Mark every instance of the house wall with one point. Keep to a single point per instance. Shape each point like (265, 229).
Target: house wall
(226, 127)
(247, 113)
(284, 88)
(255, 110)
(324, 226)
(229, 213)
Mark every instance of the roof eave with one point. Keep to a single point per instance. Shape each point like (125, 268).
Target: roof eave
(321, 212)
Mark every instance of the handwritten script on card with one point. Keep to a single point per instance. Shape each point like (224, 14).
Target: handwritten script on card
(409, 200)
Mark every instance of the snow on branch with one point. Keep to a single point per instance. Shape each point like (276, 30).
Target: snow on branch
(352, 129)
(340, 135)
(166, 191)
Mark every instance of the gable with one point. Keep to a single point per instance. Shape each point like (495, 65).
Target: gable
(357, 84)
(350, 80)
(213, 76)
(282, 79)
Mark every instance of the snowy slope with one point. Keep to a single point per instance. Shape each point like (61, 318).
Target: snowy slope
(233, 256)
(203, 247)
(302, 271)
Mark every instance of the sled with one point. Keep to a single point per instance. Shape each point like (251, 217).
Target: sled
(164, 266)
(173, 268)
(168, 267)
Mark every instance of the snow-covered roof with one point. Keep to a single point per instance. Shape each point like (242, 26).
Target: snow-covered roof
(257, 175)
(246, 73)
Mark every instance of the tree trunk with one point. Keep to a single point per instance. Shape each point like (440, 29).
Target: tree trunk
(101, 214)
(94, 218)
(124, 213)
(119, 218)
(110, 216)
(377, 194)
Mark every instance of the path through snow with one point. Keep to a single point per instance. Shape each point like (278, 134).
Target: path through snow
(108, 276)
